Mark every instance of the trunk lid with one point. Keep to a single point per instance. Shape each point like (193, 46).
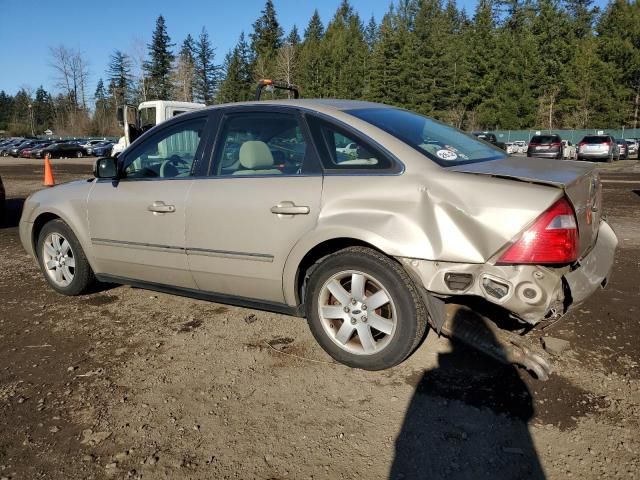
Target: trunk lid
(579, 181)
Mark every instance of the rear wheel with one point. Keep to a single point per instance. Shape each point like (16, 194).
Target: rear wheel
(79, 154)
(364, 310)
(62, 259)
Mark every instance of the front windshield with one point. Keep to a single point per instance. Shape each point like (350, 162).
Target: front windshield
(441, 143)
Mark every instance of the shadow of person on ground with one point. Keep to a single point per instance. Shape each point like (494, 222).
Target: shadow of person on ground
(467, 420)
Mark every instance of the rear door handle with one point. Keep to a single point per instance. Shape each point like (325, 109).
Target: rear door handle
(160, 207)
(289, 208)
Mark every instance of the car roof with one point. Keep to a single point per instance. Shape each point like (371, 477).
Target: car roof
(324, 105)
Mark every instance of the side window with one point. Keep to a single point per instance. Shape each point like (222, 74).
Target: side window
(260, 144)
(169, 154)
(341, 150)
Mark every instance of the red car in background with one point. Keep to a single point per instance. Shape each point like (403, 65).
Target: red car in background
(28, 152)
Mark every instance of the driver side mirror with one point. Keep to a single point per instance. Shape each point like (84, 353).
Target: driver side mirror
(106, 168)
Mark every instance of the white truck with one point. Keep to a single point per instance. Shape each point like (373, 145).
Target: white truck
(137, 120)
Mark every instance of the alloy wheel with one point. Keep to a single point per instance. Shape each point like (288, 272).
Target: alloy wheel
(357, 312)
(58, 259)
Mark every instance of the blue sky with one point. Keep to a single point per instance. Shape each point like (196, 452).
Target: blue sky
(97, 28)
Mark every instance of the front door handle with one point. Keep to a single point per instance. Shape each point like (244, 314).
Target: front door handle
(160, 207)
(289, 208)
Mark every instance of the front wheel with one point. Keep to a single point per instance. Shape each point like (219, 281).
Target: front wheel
(62, 259)
(364, 310)
(79, 154)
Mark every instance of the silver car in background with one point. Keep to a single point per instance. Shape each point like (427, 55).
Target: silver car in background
(363, 218)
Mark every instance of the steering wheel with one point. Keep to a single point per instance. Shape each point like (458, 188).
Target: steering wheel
(171, 166)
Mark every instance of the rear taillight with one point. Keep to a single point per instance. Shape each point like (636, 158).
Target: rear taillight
(555, 144)
(553, 238)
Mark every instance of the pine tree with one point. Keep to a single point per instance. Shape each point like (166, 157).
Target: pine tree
(293, 38)
(158, 67)
(371, 33)
(619, 46)
(236, 85)
(345, 53)
(482, 43)
(552, 31)
(266, 39)
(206, 73)
(42, 110)
(311, 61)
(582, 13)
(6, 104)
(119, 77)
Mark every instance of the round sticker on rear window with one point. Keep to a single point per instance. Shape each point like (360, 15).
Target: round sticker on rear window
(446, 155)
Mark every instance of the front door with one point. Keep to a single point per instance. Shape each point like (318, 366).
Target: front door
(137, 224)
(260, 198)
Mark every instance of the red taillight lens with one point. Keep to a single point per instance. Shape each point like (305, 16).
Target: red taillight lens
(553, 238)
(555, 144)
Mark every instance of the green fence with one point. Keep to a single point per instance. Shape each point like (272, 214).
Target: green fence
(574, 136)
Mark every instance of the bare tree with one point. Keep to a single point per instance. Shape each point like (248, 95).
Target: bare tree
(138, 55)
(547, 106)
(183, 75)
(71, 76)
(286, 63)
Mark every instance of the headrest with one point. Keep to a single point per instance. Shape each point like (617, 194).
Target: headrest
(255, 155)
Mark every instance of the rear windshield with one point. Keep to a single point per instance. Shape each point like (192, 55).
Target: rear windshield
(545, 139)
(595, 139)
(441, 143)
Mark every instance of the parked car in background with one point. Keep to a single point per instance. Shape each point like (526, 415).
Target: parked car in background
(491, 138)
(10, 142)
(349, 149)
(365, 248)
(521, 146)
(510, 148)
(65, 150)
(101, 149)
(90, 143)
(569, 151)
(623, 149)
(37, 152)
(17, 150)
(27, 152)
(545, 146)
(632, 144)
(599, 148)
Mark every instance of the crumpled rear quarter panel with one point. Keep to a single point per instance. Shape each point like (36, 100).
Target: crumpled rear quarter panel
(436, 215)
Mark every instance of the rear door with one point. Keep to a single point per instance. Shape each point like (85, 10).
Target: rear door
(261, 195)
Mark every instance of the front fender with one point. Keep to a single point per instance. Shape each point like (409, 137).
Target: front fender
(69, 203)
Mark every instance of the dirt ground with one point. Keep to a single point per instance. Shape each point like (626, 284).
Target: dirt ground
(128, 383)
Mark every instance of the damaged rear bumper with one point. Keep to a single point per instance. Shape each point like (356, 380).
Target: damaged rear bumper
(531, 292)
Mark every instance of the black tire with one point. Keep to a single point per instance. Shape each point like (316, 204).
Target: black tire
(411, 321)
(79, 154)
(83, 276)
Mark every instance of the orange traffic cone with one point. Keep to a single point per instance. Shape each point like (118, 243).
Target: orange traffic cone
(48, 173)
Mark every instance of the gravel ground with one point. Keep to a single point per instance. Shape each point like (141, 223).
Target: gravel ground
(128, 383)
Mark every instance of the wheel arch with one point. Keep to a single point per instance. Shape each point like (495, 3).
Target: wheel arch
(46, 216)
(306, 254)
